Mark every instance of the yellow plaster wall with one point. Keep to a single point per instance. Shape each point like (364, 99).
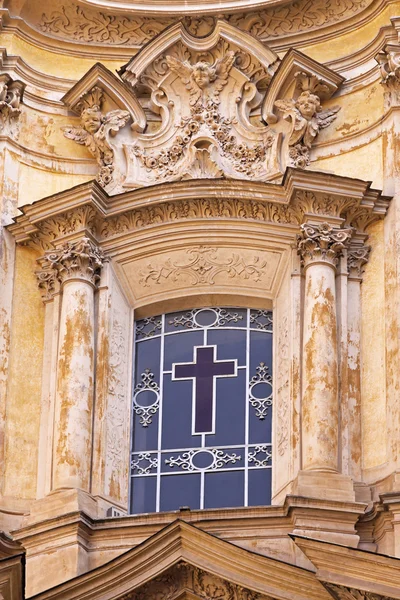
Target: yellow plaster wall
(364, 162)
(58, 64)
(24, 382)
(38, 183)
(373, 372)
(349, 43)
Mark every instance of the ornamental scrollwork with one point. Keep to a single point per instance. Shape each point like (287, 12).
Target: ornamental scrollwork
(80, 259)
(98, 27)
(95, 132)
(322, 243)
(147, 385)
(262, 378)
(389, 63)
(202, 268)
(357, 258)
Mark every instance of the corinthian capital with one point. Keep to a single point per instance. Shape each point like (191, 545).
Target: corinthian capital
(76, 260)
(322, 242)
(357, 258)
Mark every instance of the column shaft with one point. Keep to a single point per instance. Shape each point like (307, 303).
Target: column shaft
(75, 379)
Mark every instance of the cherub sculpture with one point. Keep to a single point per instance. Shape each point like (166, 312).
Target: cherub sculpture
(94, 133)
(203, 80)
(307, 119)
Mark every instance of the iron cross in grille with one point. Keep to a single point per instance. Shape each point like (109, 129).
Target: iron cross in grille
(204, 369)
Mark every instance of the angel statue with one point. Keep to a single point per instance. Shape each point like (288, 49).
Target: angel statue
(308, 119)
(203, 80)
(94, 133)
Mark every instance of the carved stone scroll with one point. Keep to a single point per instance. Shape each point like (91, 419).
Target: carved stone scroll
(318, 243)
(75, 260)
(11, 93)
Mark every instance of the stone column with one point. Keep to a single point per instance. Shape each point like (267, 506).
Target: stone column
(319, 247)
(77, 265)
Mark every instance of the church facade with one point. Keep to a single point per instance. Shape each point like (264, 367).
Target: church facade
(200, 300)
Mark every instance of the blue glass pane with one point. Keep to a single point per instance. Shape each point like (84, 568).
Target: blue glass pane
(230, 343)
(177, 414)
(259, 487)
(230, 411)
(223, 489)
(180, 490)
(147, 356)
(145, 438)
(178, 348)
(260, 351)
(143, 494)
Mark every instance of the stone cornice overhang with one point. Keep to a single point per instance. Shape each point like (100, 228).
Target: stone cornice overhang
(181, 542)
(87, 209)
(352, 568)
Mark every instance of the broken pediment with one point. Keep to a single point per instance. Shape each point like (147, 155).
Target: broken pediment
(202, 107)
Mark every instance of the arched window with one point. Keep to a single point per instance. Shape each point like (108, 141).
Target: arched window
(202, 410)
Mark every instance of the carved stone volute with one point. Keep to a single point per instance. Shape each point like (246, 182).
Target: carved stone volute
(322, 243)
(11, 93)
(357, 258)
(80, 259)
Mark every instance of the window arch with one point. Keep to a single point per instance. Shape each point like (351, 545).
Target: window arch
(202, 410)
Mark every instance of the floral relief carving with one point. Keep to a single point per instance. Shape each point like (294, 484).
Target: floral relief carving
(202, 267)
(117, 406)
(322, 243)
(96, 130)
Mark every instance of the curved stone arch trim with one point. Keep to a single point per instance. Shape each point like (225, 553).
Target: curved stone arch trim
(138, 64)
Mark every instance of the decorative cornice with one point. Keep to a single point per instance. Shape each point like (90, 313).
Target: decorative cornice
(79, 259)
(88, 210)
(322, 243)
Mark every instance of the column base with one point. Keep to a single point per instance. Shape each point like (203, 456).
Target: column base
(324, 486)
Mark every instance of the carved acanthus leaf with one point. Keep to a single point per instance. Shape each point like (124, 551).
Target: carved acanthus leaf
(202, 267)
(357, 258)
(48, 283)
(345, 593)
(199, 583)
(322, 242)
(389, 62)
(75, 260)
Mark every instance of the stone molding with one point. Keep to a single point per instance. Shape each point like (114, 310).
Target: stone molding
(79, 259)
(322, 243)
(340, 592)
(88, 210)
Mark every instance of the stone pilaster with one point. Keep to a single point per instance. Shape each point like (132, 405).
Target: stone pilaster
(76, 266)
